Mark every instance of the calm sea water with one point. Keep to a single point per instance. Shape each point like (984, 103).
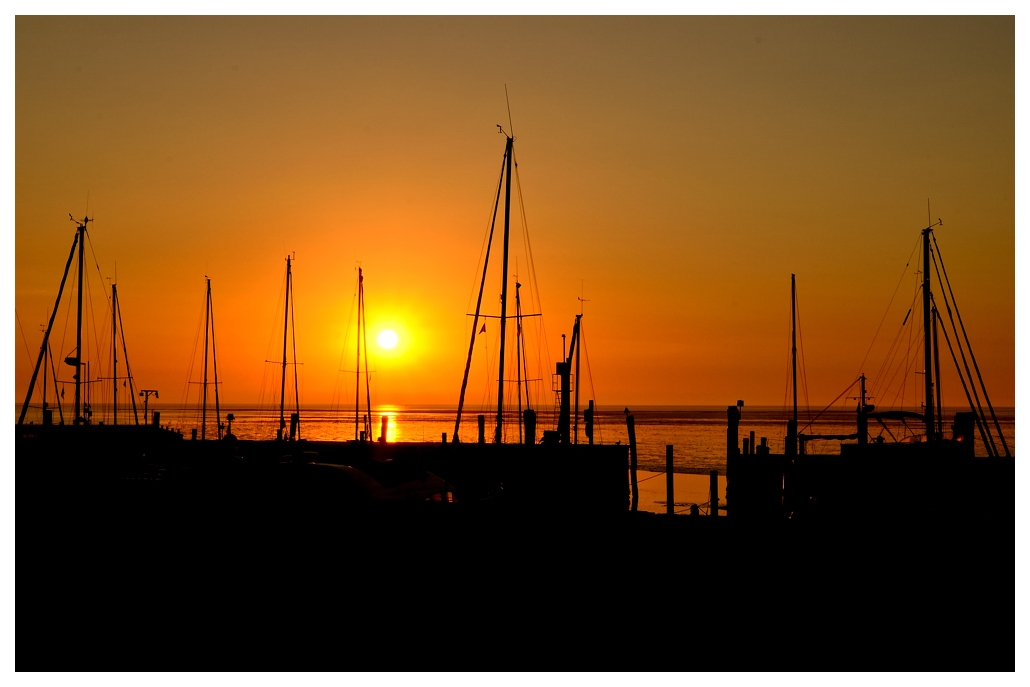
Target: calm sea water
(696, 433)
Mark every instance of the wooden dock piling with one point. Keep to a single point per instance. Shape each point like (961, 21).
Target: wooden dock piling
(713, 492)
(634, 491)
(670, 500)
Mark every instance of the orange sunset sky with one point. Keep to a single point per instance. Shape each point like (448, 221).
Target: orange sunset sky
(675, 171)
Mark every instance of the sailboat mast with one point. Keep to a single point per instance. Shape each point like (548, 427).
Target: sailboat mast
(790, 443)
(286, 330)
(45, 342)
(78, 327)
(357, 363)
(927, 339)
(937, 374)
(114, 353)
(207, 328)
(296, 382)
(794, 345)
(579, 347)
(518, 350)
(504, 291)
(368, 390)
(214, 360)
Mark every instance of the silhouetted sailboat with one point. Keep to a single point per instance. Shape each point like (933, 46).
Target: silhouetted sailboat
(526, 416)
(362, 431)
(210, 357)
(289, 326)
(930, 417)
(72, 457)
(871, 478)
(82, 409)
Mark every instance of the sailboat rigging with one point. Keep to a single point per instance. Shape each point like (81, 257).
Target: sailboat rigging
(951, 305)
(362, 430)
(520, 356)
(118, 327)
(564, 372)
(209, 329)
(363, 421)
(77, 242)
(526, 415)
(505, 174)
(791, 446)
(921, 456)
(76, 362)
(930, 413)
(82, 411)
(48, 357)
(289, 325)
(209, 368)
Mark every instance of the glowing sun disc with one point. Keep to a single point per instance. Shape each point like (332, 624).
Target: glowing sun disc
(387, 338)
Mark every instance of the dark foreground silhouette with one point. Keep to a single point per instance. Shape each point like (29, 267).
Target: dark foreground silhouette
(304, 564)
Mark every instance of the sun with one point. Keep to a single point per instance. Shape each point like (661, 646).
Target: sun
(387, 338)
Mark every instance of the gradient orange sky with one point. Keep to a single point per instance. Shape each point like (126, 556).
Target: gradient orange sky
(675, 172)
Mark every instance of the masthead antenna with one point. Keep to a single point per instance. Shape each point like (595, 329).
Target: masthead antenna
(506, 102)
(930, 224)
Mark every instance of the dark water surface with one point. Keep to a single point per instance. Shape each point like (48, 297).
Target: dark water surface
(697, 433)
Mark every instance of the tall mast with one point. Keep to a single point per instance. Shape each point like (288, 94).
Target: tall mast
(78, 327)
(504, 290)
(937, 374)
(214, 360)
(575, 417)
(357, 363)
(794, 346)
(44, 378)
(286, 329)
(207, 328)
(518, 350)
(114, 353)
(364, 343)
(790, 443)
(296, 382)
(927, 339)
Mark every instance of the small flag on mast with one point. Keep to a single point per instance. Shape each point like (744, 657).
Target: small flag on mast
(483, 330)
